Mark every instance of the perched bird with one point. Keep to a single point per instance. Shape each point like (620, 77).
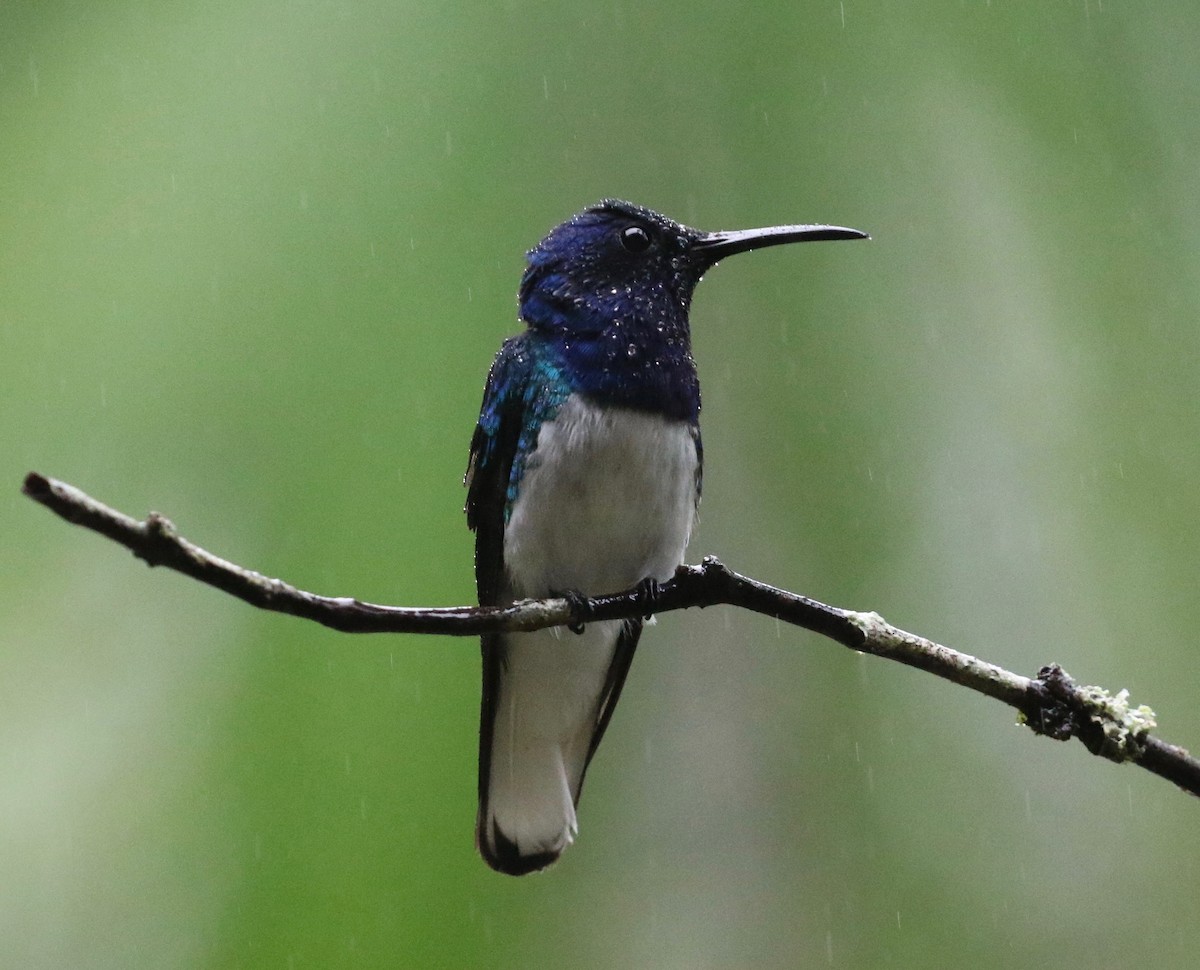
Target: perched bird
(584, 478)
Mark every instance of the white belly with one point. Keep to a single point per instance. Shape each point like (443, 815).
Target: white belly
(608, 498)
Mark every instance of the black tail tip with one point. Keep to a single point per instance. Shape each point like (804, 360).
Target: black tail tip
(505, 856)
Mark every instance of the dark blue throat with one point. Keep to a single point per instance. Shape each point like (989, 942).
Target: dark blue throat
(632, 349)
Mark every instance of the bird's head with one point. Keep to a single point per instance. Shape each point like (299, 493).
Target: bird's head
(617, 266)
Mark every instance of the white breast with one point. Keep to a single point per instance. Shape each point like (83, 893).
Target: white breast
(608, 498)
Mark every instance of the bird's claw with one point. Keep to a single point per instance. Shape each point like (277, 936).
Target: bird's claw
(579, 604)
(647, 593)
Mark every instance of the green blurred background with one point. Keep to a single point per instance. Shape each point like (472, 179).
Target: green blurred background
(255, 258)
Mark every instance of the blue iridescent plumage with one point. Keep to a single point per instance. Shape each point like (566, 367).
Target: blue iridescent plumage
(615, 321)
(526, 380)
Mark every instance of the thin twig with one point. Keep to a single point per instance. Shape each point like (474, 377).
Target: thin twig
(1050, 703)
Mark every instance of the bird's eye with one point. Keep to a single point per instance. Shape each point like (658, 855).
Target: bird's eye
(635, 239)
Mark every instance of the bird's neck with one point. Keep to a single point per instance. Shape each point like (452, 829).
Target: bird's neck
(626, 363)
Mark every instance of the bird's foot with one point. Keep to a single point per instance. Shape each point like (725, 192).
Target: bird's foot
(580, 607)
(647, 592)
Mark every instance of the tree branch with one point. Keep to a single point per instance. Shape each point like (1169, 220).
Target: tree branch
(1050, 703)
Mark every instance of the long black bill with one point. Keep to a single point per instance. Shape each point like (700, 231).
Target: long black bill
(714, 246)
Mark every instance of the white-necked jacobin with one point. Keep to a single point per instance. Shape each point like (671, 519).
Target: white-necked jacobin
(584, 478)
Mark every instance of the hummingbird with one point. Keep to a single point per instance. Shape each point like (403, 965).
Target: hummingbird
(584, 478)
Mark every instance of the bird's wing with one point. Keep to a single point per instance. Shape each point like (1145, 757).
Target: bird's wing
(493, 448)
(489, 477)
(525, 826)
